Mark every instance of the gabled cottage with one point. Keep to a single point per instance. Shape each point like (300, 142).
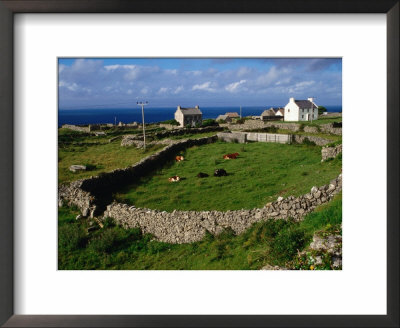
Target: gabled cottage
(265, 115)
(224, 118)
(232, 114)
(301, 110)
(279, 111)
(188, 116)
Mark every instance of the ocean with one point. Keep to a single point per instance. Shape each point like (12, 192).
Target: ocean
(128, 115)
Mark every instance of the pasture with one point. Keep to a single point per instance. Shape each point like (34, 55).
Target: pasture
(261, 173)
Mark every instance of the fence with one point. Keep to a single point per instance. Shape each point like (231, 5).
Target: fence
(242, 137)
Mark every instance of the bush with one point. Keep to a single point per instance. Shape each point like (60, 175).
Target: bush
(301, 129)
(172, 122)
(71, 236)
(288, 242)
(209, 122)
(240, 121)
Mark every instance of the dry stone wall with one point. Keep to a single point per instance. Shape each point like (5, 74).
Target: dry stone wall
(89, 128)
(136, 139)
(317, 140)
(190, 226)
(330, 152)
(294, 127)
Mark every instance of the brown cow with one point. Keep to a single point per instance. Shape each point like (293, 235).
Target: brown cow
(179, 158)
(231, 156)
(175, 178)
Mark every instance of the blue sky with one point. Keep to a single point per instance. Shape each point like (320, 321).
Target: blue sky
(168, 82)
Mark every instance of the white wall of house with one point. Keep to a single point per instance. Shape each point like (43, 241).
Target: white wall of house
(179, 116)
(291, 111)
(278, 113)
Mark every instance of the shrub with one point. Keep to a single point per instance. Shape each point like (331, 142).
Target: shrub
(337, 124)
(288, 242)
(71, 237)
(172, 122)
(209, 122)
(240, 121)
(301, 128)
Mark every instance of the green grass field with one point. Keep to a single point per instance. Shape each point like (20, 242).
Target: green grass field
(97, 153)
(274, 242)
(262, 172)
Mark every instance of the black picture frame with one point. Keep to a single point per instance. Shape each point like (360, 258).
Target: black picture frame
(10, 7)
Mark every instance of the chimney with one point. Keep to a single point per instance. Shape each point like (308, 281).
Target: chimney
(179, 107)
(197, 107)
(291, 99)
(311, 99)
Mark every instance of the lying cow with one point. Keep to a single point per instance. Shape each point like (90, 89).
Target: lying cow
(231, 156)
(220, 173)
(179, 158)
(175, 178)
(202, 175)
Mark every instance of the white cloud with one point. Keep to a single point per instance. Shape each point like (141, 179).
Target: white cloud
(178, 89)
(234, 87)
(114, 67)
(145, 90)
(300, 86)
(162, 90)
(206, 86)
(69, 86)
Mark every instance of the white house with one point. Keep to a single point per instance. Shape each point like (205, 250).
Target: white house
(185, 116)
(301, 110)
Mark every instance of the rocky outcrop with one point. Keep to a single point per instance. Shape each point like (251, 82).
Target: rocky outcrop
(190, 226)
(330, 152)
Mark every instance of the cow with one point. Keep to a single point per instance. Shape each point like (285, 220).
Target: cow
(220, 173)
(175, 178)
(231, 156)
(179, 158)
(202, 175)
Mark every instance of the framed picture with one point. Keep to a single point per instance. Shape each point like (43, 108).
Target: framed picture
(214, 98)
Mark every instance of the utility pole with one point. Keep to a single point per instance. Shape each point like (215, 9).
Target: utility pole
(143, 103)
(115, 120)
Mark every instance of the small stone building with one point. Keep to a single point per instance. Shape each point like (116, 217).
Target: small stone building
(267, 114)
(191, 116)
(232, 115)
(224, 118)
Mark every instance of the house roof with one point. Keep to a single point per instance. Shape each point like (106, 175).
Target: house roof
(191, 111)
(305, 104)
(232, 114)
(279, 109)
(268, 112)
(222, 117)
